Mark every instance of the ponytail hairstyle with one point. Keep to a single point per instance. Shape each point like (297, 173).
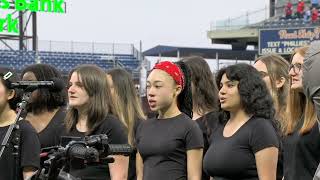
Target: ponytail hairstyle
(185, 97)
(181, 75)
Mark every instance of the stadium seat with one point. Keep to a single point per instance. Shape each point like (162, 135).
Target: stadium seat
(65, 61)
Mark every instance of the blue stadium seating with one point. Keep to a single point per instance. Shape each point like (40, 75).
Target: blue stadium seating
(65, 61)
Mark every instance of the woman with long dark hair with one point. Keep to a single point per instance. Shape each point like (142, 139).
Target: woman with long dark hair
(204, 88)
(89, 113)
(245, 143)
(204, 98)
(169, 145)
(127, 107)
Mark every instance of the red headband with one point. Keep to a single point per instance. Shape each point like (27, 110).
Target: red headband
(173, 70)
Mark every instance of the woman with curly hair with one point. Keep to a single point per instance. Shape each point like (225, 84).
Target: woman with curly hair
(169, 145)
(46, 109)
(245, 144)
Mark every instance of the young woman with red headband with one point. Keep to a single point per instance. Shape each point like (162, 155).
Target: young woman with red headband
(169, 145)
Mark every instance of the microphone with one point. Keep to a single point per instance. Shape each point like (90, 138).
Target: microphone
(54, 85)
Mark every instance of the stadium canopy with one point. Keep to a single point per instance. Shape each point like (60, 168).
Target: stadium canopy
(207, 53)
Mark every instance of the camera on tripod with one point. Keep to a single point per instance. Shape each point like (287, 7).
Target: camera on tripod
(91, 150)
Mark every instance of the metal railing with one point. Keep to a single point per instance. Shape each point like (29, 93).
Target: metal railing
(79, 47)
(251, 18)
(241, 21)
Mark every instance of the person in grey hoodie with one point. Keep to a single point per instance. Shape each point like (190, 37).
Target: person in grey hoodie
(311, 75)
(311, 81)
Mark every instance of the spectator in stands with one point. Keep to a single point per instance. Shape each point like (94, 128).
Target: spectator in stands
(246, 142)
(127, 107)
(314, 15)
(89, 113)
(300, 9)
(29, 148)
(302, 137)
(46, 109)
(204, 98)
(169, 145)
(288, 10)
(314, 3)
(307, 15)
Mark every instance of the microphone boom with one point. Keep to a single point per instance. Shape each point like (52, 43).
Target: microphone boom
(55, 85)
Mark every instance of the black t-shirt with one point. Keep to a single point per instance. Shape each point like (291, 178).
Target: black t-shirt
(280, 165)
(116, 133)
(301, 154)
(132, 159)
(163, 144)
(29, 151)
(234, 157)
(207, 124)
(50, 135)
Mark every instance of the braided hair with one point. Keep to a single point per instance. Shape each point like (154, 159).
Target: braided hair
(185, 97)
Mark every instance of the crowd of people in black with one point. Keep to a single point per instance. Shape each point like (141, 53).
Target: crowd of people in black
(244, 122)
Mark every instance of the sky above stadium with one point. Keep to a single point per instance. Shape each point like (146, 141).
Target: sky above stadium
(154, 22)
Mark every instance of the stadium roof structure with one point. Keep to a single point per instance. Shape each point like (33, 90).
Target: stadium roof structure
(208, 53)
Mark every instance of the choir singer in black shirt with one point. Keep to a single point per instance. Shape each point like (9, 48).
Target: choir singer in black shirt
(89, 113)
(46, 109)
(29, 147)
(169, 145)
(245, 144)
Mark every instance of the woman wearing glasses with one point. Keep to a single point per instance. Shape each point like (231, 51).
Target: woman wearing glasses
(302, 137)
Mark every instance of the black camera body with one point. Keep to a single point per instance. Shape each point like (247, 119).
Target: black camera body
(91, 150)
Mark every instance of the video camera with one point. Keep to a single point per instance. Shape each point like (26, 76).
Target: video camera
(91, 150)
